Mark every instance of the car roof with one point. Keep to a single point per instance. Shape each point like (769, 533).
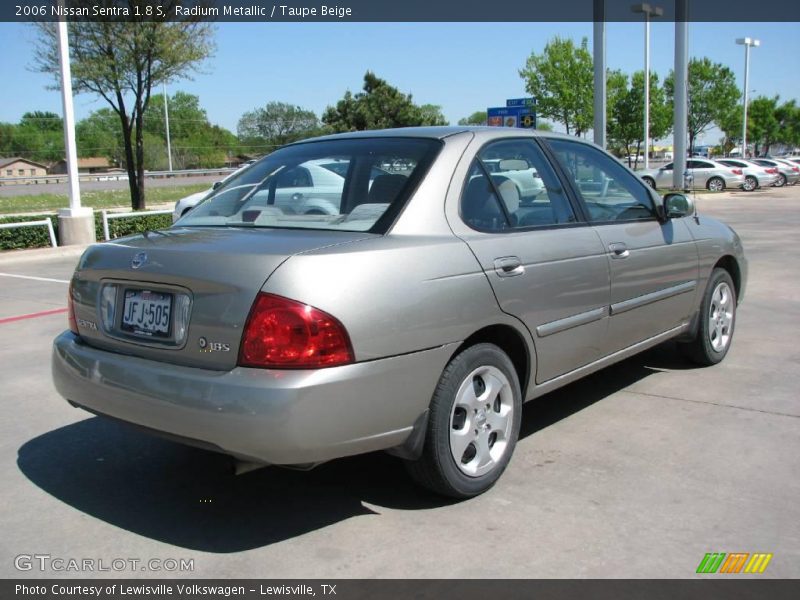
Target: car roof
(439, 133)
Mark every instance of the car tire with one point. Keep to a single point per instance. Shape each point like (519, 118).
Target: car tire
(781, 180)
(650, 181)
(750, 184)
(717, 321)
(473, 424)
(715, 184)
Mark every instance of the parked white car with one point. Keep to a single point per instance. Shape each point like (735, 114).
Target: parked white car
(184, 205)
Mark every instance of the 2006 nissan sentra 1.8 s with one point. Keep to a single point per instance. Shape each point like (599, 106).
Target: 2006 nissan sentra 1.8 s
(436, 294)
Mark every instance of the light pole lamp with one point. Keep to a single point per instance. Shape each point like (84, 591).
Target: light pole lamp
(747, 43)
(649, 11)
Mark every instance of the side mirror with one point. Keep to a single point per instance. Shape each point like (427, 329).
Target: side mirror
(677, 206)
(216, 185)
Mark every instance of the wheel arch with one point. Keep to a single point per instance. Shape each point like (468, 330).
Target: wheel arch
(510, 341)
(731, 265)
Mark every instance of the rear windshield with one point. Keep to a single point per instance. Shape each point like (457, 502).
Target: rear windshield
(342, 185)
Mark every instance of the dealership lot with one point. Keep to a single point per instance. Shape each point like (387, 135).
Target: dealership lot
(636, 471)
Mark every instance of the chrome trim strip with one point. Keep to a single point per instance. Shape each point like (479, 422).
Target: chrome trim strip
(569, 322)
(626, 305)
(540, 389)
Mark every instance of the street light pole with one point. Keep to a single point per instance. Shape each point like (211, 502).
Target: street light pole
(649, 11)
(76, 223)
(681, 124)
(599, 48)
(747, 43)
(166, 126)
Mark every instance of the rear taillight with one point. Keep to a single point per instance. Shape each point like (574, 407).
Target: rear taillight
(736, 171)
(73, 324)
(286, 334)
(772, 171)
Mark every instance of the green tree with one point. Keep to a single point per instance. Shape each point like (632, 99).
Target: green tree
(562, 81)
(100, 134)
(378, 106)
(186, 116)
(476, 118)
(713, 94)
(196, 143)
(731, 126)
(276, 124)
(788, 116)
(431, 114)
(121, 62)
(38, 136)
(626, 125)
(763, 127)
(543, 125)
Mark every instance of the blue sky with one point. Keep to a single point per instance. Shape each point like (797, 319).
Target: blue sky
(461, 66)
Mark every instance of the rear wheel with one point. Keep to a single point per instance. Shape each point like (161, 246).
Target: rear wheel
(715, 184)
(717, 321)
(473, 424)
(750, 183)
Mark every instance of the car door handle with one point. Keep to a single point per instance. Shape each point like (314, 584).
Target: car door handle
(508, 266)
(619, 250)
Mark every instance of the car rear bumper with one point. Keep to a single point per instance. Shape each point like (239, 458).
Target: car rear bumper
(270, 416)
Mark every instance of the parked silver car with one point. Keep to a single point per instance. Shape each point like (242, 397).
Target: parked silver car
(755, 176)
(706, 174)
(788, 173)
(416, 320)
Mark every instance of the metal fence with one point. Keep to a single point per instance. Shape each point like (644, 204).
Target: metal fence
(107, 216)
(113, 176)
(43, 223)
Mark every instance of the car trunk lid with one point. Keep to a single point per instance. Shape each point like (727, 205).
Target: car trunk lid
(183, 295)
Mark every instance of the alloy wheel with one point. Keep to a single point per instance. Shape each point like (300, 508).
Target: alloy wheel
(720, 317)
(481, 421)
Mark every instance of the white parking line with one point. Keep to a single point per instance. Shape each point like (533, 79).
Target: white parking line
(34, 278)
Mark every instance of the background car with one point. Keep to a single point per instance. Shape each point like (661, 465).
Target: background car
(184, 205)
(415, 320)
(706, 174)
(788, 174)
(755, 176)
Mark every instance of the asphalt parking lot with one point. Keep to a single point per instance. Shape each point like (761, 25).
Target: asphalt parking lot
(636, 471)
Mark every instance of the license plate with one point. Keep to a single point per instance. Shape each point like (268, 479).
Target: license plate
(146, 313)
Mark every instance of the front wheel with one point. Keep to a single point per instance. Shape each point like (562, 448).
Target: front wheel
(715, 184)
(750, 183)
(781, 180)
(473, 424)
(717, 321)
(650, 181)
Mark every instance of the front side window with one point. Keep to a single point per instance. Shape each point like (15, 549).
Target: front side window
(333, 185)
(609, 192)
(511, 185)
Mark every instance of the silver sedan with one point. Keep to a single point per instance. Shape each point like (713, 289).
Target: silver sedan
(417, 319)
(706, 174)
(755, 176)
(788, 173)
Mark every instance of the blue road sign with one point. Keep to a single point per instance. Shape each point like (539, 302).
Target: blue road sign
(521, 102)
(511, 116)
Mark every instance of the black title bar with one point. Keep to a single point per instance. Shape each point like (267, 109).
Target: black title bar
(342, 11)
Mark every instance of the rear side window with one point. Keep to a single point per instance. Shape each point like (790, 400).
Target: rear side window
(333, 185)
(609, 192)
(511, 185)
